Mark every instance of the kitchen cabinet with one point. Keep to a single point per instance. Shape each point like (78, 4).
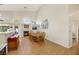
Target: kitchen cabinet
(3, 51)
(3, 48)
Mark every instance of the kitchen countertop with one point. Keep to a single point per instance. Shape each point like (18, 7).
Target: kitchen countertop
(3, 36)
(5, 32)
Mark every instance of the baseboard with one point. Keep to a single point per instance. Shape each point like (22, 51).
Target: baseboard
(59, 43)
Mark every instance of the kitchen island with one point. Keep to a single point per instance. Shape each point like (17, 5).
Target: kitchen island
(3, 42)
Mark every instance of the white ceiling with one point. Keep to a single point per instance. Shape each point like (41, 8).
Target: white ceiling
(19, 7)
(73, 8)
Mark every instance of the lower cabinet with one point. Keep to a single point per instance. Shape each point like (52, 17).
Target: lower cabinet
(3, 51)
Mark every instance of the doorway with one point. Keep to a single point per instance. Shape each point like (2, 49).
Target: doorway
(16, 30)
(74, 30)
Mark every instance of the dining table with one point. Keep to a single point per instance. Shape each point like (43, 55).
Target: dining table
(37, 37)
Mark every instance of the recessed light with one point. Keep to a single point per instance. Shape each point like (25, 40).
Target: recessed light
(25, 7)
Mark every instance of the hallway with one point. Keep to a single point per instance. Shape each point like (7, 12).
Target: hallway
(27, 47)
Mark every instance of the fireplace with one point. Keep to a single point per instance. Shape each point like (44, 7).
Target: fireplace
(26, 33)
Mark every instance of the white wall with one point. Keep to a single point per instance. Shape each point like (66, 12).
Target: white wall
(58, 25)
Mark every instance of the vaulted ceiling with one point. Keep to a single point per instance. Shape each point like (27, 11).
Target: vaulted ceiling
(19, 7)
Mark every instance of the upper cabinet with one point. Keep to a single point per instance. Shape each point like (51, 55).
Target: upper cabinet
(4, 27)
